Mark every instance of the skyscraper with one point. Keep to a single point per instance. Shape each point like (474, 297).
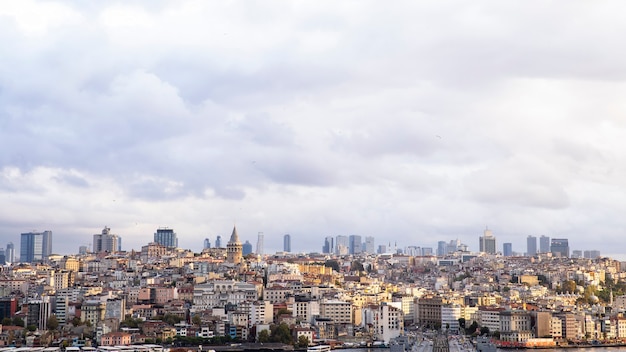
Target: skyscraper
(35, 246)
(507, 249)
(166, 237)
(207, 243)
(106, 241)
(531, 246)
(544, 244)
(329, 245)
(3, 258)
(10, 252)
(441, 248)
(259, 244)
(354, 246)
(559, 247)
(287, 243)
(246, 248)
(487, 242)
(341, 245)
(369, 246)
(218, 241)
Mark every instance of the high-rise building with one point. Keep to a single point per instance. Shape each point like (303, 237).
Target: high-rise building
(577, 253)
(369, 246)
(531, 246)
(287, 243)
(507, 249)
(427, 251)
(10, 253)
(544, 244)
(82, 250)
(591, 254)
(246, 248)
(166, 237)
(559, 247)
(382, 249)
(3, 258)
(207, 243)
(487, 242)
(441, 248)
(259, 244)
(354, 244)
(35, 246)
(218, 242)
(106, 241)
(329, 245)
(341, 245)
(234, 249)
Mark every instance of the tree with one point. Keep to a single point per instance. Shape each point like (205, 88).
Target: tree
(196, 320)
(462, 323)
(332, 264)
(473, 327)
(31, 328)
(6, 321)
(484, 330)
(282, 334)
(17, 321)
(52, 323)
(264, 336)
(303, 341)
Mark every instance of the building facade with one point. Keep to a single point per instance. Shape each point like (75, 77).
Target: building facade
(35, 246)
(166, 237)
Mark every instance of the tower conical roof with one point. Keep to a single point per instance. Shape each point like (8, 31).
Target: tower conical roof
(234, 238)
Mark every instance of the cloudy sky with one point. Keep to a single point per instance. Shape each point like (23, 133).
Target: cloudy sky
(412, 121)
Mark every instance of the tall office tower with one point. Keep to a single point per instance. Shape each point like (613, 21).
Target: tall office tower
(35, 246)
(382, 249)
(234, 249)
(82, 250)
(259, 244)
(106, 241)
(218, 241)
(577, 253)
(487, 242)
(207, 243)
(166, 237)
(246, 248)
(507, 249)
(354, 246)
(287, 243)
(3, 258)
(531, 246)
(441, 248)
(369, 246)
(591, 254)
(427, 251)
(454, 246)
(544, 244)
(329, 245)
(10, 252)
(559, 247)
(341, 245)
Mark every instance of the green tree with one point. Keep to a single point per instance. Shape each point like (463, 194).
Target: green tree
(303, 341)
(484, 330)
(52, 323)
(17, 321)
(196, 320)
(264, 336)
(462, 323)
(171, 319)
(31, 328)
(281, 333)
(332, 264)
(6, 321)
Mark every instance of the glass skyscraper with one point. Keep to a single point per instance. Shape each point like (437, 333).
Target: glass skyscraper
(166, 237)
(35, 246)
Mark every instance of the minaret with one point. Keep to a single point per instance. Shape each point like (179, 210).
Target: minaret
(234, 249)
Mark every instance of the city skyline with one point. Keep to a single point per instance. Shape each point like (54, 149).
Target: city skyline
(313, 120)
(166, 236)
